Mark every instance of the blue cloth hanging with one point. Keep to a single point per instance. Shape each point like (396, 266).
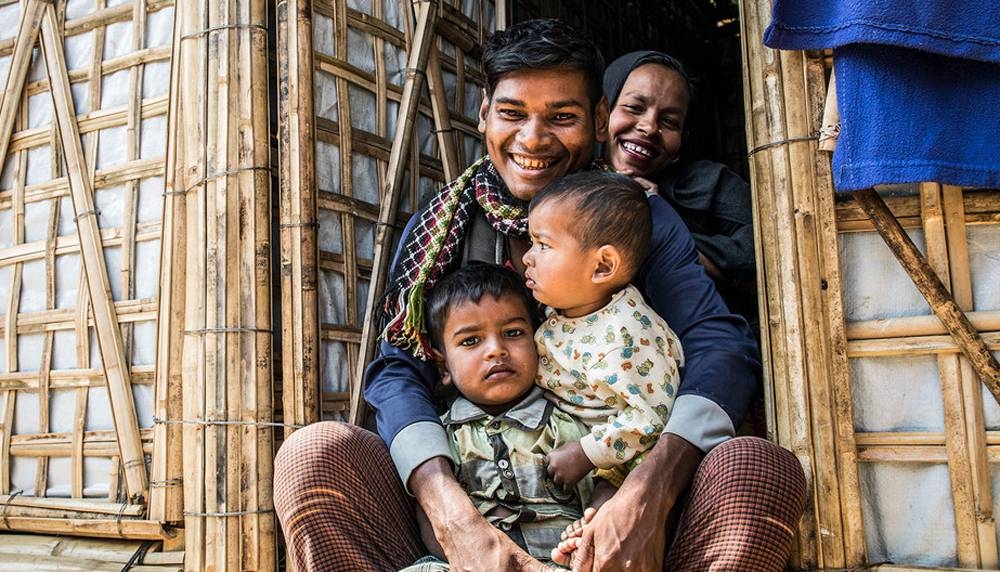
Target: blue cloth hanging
(918, 86)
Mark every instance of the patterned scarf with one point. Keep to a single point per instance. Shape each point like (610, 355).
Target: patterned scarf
(434, 246)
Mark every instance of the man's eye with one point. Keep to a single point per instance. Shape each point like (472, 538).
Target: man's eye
(514, 333)
(469, 342)
(563, 117)
(510, 113)
(632, 108)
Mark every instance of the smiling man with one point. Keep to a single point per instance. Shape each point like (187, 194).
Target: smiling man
(341, 505)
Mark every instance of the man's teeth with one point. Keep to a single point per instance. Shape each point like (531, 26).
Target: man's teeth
(637, 149)
(529, 163)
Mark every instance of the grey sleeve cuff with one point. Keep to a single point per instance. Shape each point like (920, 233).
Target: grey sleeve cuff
(415, 444)
(699, 421)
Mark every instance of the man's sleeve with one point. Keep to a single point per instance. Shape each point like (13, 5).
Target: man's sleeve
(722, 363)
(400, 388)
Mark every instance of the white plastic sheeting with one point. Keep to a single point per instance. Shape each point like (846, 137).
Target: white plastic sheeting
(907, 507)
(870, 272)
(46, 210)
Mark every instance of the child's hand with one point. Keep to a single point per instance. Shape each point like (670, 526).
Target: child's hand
(568, 464)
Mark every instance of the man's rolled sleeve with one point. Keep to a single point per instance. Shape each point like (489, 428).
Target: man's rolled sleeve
(415, 444)
(700, 421)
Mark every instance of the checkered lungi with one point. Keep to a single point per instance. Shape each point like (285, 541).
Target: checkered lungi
(342, 506)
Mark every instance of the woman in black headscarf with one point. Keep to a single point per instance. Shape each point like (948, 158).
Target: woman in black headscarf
(649, 93)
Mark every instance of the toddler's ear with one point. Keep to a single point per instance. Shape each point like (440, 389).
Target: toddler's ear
(609, 264)
(442, 366)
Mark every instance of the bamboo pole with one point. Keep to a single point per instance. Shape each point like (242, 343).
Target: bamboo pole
(442, 117)
(27, 33)
(108, 332)
(975, 434)
(804, 342)
(830, 129)
(930, 286)
(914, 326)
(91, 527)
(228, 442)
(298, 211)
(932, 214)
(166, 471)
(427, 11)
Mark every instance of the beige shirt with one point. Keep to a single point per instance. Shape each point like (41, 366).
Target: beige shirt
(614, 369)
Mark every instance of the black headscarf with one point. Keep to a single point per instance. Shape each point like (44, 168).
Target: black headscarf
(616, 73)
(713, 201)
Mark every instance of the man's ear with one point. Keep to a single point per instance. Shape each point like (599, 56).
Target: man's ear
(609, 264)
(442, 366)
(484, 111)
(602, 114)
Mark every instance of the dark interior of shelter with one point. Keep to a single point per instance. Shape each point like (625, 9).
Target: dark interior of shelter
(703, 34)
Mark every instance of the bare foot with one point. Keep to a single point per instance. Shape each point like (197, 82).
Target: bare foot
(562, 554)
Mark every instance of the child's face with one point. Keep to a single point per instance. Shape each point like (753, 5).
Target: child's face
(489, 351)
(560, 272)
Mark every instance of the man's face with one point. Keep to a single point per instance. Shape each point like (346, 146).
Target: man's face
(539, 126)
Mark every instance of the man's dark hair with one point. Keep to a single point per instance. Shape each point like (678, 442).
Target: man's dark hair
(608, 209)
(469, 284)
(542, 45)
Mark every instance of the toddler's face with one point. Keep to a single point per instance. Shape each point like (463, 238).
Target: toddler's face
(489, 351)
(557, 269)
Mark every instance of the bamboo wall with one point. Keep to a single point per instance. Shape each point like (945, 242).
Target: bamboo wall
(373, 96)
(82, 134)
(897, 434)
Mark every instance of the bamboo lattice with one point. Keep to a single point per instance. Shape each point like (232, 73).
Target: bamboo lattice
(867, 386)
(82, 125)
(340, 134)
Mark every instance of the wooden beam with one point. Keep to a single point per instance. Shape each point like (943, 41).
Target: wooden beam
(108, 332)
(27, 33)
(930, 286)
(300, 338)
(427, 11)
(92, 527)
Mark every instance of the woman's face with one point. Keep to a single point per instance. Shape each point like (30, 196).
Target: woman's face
(647, 121)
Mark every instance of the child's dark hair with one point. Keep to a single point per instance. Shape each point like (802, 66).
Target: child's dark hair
(543, 44)
(469, 284)
(609, 209)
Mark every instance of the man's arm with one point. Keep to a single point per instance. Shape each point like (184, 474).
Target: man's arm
(722, 363)
(629, 531)
(469, 541)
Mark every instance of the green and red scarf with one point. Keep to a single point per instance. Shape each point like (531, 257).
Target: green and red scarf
(434, 246)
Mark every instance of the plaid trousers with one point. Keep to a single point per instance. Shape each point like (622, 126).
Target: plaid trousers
(342, 505)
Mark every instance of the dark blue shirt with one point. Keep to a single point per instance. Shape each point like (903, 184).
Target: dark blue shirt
(718, 381)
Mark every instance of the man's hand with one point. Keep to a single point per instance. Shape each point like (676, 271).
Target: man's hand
(568, 464)
(468, 540)
(630, 531)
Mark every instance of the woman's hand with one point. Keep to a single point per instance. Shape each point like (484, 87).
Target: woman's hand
(650, 187)
(630, 531)
(468, 540)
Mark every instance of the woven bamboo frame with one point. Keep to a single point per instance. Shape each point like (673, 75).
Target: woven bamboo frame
(807, 343)
(73, 137)
(327, 50)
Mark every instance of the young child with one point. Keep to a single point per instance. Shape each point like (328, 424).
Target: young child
(480, 320)
(604, 354)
